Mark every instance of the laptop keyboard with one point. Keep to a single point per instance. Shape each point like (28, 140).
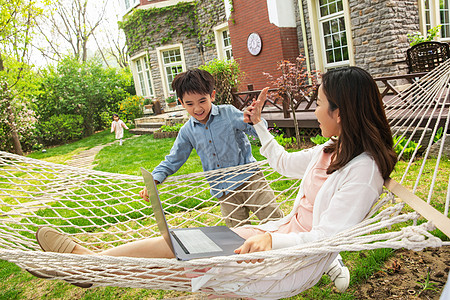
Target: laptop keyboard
(195, 241)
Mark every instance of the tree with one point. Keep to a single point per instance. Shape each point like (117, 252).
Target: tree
(295, 84)
(17, 19)
(68, 26)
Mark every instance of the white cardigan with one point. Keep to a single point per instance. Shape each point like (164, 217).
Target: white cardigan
(344, 200)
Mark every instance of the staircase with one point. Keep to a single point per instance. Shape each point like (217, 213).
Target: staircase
(148, 125)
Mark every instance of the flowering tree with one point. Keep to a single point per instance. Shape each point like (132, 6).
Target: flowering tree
(294, 85)
(17, 18)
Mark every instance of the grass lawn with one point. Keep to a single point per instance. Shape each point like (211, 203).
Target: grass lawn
(144, 151)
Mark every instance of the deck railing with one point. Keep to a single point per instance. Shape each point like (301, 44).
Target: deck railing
(388, 86)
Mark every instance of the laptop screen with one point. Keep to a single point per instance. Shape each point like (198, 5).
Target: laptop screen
(157, 207)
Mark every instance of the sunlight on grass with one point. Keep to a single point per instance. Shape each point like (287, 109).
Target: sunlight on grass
(108, 211)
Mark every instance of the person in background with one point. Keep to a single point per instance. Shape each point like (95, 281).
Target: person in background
(117, 126)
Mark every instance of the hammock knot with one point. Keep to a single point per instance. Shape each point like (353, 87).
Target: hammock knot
(417, 237)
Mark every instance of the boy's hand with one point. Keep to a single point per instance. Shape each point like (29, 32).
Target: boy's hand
(260, 242)
(144, 194)
(253, 113)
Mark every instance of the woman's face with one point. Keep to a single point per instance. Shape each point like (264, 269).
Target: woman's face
(330, 121)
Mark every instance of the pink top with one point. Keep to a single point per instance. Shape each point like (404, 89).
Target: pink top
(302, 220)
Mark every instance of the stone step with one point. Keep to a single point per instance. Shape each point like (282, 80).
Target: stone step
(143, 130)
(149, 125)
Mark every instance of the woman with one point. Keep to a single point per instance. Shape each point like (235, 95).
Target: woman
(341, 179)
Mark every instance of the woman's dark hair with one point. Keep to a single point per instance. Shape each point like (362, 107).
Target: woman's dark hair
(364, 126)
(193, 81)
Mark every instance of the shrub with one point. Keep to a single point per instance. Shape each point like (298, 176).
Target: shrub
(166, 128)
(318, 139)
(417, 37)
(131, 108)
(61, 128)
(400, 145)
(86, 89)
(227, 75)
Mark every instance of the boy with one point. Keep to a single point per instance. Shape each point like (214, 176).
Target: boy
(218, 135)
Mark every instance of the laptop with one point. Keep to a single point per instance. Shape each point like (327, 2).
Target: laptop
(190, 243)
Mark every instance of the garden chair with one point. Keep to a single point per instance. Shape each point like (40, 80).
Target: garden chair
(426, 56)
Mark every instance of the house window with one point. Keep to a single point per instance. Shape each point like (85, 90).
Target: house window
(333, 34)
(144, 77)
(171, 62)
(226, 44)
(223, 42)
(131, 3)
(432, 18)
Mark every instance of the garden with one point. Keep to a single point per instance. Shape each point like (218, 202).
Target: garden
(375, 273)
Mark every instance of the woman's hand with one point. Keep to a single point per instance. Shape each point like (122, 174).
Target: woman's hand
(253, 113)
(256, 243)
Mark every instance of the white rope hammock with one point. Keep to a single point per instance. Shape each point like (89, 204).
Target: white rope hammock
(100, 210)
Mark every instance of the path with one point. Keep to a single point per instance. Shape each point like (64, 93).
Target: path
(85, 159)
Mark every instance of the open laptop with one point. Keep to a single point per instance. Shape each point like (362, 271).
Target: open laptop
(189, 243)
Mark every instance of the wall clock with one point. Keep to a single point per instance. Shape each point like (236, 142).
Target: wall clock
(254, 43)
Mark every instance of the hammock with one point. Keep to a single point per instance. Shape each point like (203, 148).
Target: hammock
(101, 210)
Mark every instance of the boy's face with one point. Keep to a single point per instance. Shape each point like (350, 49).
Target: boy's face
(198, 105)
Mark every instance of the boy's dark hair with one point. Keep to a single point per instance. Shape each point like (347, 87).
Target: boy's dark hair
(193, 81)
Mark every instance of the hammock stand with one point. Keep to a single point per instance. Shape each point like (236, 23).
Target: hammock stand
(100, 210)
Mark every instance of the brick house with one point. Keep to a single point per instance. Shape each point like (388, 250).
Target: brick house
(179, 35)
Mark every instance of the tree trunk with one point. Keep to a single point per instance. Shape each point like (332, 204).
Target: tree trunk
(297, 131)
(14, 135)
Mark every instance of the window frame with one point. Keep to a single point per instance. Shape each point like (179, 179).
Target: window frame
(220, 46)
(132, 3)
(317, 36)
(434, 15)
(149, 86)
(162, 66)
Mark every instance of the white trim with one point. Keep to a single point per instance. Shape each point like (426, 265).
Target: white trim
(317, 37)
(162, 70)
(133, 4)
(163, 4)
(281, 13)
(135, 73)
(219, 40)
(228, 6)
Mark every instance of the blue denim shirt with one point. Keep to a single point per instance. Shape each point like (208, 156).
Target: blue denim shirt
(220, 143)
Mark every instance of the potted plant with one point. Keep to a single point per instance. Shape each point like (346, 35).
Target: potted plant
(171, 101)
(148, 104)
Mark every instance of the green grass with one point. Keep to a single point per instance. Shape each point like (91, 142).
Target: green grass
(144, 151)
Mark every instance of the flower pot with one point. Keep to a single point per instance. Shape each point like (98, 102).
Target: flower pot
(172, 104)
(148, 106)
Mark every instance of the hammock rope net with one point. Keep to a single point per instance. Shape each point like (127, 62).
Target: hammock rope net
(100, 210)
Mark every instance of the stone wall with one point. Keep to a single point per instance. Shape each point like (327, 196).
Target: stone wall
(208, 14)
(379, 29)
